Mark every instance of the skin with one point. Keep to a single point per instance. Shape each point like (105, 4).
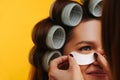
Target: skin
(86, 37)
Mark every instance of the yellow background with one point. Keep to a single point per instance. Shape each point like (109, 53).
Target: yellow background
(17, 18)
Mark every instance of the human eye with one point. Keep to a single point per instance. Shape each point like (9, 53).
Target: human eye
(85, 49)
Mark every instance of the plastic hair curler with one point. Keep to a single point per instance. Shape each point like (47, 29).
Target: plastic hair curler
(68, 13)
(95, 7)
(56, 37)
(83, 59)
(72, 14)
(49, 55)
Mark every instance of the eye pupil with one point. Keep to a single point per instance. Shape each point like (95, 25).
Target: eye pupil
(86, 48)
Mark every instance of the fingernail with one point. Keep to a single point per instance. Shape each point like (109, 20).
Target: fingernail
(95, 55)
(71, 55)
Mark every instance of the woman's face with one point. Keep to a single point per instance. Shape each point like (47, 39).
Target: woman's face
(86, 37)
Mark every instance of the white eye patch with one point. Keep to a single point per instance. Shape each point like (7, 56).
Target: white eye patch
(83, 59)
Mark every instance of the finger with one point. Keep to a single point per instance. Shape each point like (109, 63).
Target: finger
(74, 67)
(54, 63)
(103, 62)
(73, 64)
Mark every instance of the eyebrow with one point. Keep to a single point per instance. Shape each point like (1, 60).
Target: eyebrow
(85, 42)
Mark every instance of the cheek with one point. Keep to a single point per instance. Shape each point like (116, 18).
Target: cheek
(66, 53)
(66, 50)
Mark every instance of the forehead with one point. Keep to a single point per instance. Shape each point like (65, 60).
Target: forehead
(89, 24)
(87, 30)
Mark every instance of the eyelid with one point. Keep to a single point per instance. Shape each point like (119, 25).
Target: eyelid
(81, 50)
(85, 47)
(85, 43)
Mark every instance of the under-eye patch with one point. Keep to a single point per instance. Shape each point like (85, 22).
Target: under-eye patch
(83, 59)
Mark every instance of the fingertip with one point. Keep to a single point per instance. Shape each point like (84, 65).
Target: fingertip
(71, 60)
(71, 55)
(95, 55)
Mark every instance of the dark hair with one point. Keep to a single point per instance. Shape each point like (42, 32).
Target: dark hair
(111, 34)
(40, 32)
(37, 71)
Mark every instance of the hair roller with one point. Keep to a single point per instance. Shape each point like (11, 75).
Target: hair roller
(49, 55)
(40, 32)
(72, 14)
(56, 37)
(56, 10)
(66, 13)
(35, 56)
(95, 7)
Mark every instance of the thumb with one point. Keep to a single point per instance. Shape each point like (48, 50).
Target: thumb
(74, 68)
(104, 63)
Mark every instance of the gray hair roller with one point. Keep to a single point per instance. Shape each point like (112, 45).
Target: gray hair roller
(56, 37)
(49, 55)
(95, 7)
(72, 14)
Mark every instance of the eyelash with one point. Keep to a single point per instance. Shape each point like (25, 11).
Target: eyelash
(86, 48)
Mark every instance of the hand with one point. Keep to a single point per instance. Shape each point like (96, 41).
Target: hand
(72, 73)
(104, 63)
